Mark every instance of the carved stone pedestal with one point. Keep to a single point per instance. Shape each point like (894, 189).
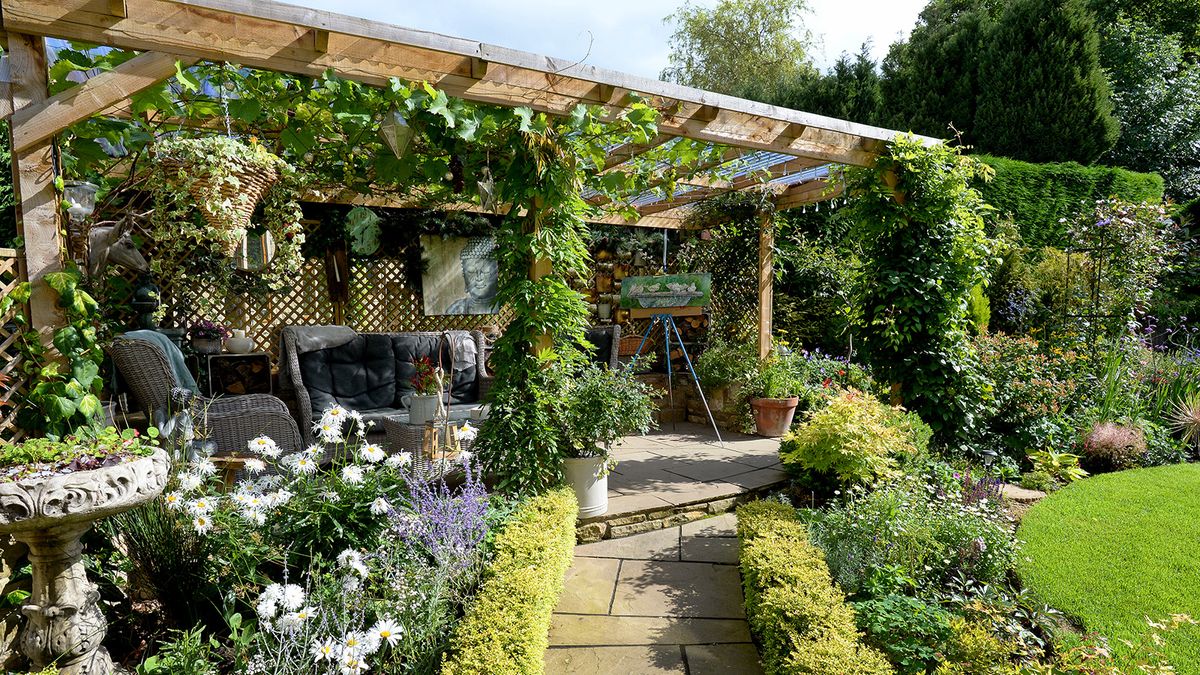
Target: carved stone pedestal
(65, 624)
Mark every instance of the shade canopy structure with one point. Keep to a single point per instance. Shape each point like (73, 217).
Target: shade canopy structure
(791, 151)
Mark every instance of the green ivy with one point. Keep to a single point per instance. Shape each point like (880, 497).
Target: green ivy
(64, 393)
(921, 227)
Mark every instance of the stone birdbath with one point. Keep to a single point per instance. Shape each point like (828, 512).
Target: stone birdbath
(49, 514)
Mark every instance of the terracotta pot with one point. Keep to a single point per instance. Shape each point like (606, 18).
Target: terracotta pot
(773, 416)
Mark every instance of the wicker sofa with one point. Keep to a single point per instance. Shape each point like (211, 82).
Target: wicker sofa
(230, 421)
(371, 372)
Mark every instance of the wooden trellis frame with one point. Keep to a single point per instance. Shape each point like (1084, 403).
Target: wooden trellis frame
(13, 386)
(275, 36)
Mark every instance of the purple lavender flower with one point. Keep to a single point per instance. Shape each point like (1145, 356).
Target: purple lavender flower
(444, 524)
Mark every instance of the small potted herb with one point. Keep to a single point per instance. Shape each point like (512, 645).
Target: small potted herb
(426, 396)
(207, 337)
(601, 406)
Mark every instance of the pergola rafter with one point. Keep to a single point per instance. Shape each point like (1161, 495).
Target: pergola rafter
(274, 36)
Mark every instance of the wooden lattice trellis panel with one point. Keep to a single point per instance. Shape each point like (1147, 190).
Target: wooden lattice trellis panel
(13, 387)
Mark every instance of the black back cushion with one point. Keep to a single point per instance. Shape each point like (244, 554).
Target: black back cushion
(463, 376)
(359, 375)
(602, 341)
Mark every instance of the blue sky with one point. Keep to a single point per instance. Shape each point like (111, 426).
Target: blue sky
(626, 35)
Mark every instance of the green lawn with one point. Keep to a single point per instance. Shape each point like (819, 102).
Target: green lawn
(1117, 548)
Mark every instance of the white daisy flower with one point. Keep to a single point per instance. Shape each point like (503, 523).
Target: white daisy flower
(467, 432)
(255, 465)
(205, 467)
(360, 642)
(189, 481)
(352, 475)
(380, 506)
(389, 631)
(335, 414)
(351, 584)
(352, 664)
(263, 445)
(399, 460)
(331, 496)
(372, 453)
(314, 450)
(266, 608)
(279, 497)
(201, 506)
(174, 500)
(349, 557)
(465, 456)
(328, 432)
(254, 516)
(202, 523)
(292, 597)
(293, 621)
(325, 650)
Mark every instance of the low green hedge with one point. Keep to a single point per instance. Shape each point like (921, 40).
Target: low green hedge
(506, 628)
(1038, 196)
(798, 615)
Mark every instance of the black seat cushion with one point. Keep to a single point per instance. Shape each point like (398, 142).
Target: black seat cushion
(359, 375)
(463, 376)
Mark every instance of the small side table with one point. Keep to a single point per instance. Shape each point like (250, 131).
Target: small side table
(234, 374)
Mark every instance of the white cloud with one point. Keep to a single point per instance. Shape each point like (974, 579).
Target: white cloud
(625, 35)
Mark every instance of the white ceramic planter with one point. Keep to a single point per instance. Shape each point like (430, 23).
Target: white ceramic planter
(239, 343)
(422, 409)
(587, 477)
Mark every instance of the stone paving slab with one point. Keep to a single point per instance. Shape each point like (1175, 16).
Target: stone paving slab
(589, 586)
(736, 659)
(578, 630)
(656, 545)
(615, 660)
(724, 525)
(678, 589)
(723, 550)
(758, 478)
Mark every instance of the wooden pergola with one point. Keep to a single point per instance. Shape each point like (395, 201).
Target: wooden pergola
(790, 150)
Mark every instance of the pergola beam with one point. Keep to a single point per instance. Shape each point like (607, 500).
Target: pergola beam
(715, 188)
(36, 123)
(33, 183)
(282, 37)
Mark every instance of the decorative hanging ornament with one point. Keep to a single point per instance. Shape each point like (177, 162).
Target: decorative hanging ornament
(396, 132)
(487, 189)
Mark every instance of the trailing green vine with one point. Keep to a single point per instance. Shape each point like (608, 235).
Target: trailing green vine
(921, 227)
(64, 394)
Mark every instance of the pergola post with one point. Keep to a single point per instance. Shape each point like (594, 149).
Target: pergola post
(33, 183)
(766, 281)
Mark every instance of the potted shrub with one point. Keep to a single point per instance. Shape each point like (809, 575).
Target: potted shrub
(602, 405)
(50, 494)
(774, 395)
(207, 336)
(426, 398)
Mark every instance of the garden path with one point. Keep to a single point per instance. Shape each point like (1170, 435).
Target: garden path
(667, 601)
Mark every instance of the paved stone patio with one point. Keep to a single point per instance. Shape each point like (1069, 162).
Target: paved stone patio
(682, 473)
(667, 601)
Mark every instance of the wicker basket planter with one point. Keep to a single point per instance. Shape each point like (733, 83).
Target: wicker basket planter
(238, 199)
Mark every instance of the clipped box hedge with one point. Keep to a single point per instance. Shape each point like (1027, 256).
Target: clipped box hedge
(800, 618)
(506, 628)
(1038, 196)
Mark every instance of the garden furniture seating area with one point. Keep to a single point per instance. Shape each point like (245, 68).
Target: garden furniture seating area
(230, 422)
(372, 372)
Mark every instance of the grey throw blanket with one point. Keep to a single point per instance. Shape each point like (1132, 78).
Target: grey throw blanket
(297, 340)
(174, 357)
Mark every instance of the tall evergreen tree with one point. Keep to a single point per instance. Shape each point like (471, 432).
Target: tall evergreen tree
(849, 90)
(930, 82)
(1043, 95)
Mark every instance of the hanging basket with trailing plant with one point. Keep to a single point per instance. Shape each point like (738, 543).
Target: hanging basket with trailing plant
(225, 178)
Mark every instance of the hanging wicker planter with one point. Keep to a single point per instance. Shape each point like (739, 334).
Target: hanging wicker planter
(225, 177)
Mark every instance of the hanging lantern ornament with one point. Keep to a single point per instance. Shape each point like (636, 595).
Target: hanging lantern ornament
(396, 132)
(81, 199)
(487, 189)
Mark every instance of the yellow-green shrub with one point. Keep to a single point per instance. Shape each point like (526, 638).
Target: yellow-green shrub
(801, 620)
(505, 629)
(855, 439)
(974, 649)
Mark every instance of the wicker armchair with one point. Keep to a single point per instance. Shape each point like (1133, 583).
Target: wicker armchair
(231, 422)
